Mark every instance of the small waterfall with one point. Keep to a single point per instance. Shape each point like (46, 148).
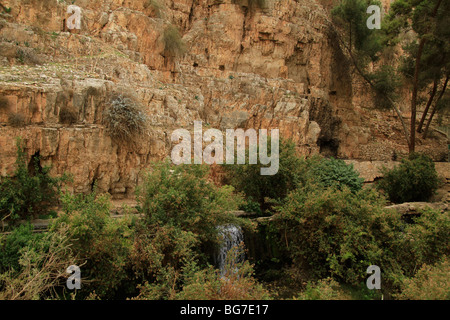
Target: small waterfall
(232, 237)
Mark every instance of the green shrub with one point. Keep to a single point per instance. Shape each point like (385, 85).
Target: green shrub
(19, 238)
(335, 172)
(247, 178)
(336, 233)
(293, 172)
(385, 82)
(430, 283)
(26, 194)
(16, 120)
(124, 119)
(425, 241)
(324, 289)
(237, 283)
(174, 45)
(415, 179)
(32, 266)
(182, 196)
(100, 243)
(251, 207)
(178, 234)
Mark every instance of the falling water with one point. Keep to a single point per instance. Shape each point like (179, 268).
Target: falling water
(232, 237)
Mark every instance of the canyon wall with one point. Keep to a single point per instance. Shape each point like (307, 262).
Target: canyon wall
(243, 67)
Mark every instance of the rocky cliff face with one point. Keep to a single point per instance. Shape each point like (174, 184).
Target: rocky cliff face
(247, 67)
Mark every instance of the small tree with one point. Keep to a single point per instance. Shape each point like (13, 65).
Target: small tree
(427, 54)
(247, 178)
(415, 179)
(181, 196)
(335, 172)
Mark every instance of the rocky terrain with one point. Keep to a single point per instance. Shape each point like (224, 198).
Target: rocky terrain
(243, 67)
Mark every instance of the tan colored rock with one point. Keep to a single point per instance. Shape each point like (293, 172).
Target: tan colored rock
(277, 68)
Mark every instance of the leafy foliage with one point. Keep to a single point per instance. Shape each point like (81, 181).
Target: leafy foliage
(293, 172)
(182, 197)
(324, 289)
(415, 179)
(32, 266)
(182, 210)
(335, 172)
(237, 283)
(26, 195)
(332, 232)
(247, 178)
(385, 83)
(424, 241)
(430, 283)
(101, 243)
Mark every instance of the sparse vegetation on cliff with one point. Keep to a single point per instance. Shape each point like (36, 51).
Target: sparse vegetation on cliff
(16, 119)
(68, 115)
(4, 103)
(174, 45)
(124, 119)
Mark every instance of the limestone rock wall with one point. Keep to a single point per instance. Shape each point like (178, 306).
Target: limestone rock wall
(280, 67)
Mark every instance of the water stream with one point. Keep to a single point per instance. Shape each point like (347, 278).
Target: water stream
(232, 237)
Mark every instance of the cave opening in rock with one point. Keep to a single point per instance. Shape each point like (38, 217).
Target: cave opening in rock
(34, 166)
(328, 147)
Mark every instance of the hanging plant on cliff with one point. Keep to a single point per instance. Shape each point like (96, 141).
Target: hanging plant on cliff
(124, 119)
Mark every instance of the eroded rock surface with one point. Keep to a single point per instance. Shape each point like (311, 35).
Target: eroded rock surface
(281, 67)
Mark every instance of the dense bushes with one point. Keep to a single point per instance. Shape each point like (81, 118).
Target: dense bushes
(28, 194)
(334, 172)
(338, 234)
(333, 233)
(415, 179)
(324, 289)
(237, 282)
(327, 230)
(293, 172)
(182, 197)
(247, 178)
(100, 243)
(430, 283)
(32, 266)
